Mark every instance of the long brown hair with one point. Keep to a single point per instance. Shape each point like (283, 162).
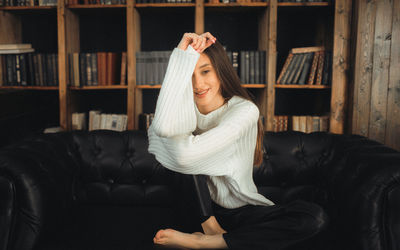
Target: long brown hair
(230, 86)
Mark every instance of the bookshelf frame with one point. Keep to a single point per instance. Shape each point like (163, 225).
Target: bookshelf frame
(69, 42)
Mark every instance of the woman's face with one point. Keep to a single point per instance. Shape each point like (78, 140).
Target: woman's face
(206, 86)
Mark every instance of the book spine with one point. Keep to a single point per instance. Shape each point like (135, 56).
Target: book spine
(313, 68)
(37, 69)
(286, 74)
(242, 67)
(24, 73)
(94, 69)
(89, 79)
(300, 68)
(82, 69)
(296, 65)
(49, 69)
(321, 60)
(247, 67)
(306, 69)
(252, 67)
(17, 69)
(257, 67)
(285, 68)
(123, 68)
(56, 69)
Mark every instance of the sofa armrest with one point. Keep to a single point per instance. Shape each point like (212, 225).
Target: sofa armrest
(36, 182)
(364, 187)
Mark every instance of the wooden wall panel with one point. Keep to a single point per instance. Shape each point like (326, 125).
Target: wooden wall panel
(393, 104)
(376, 78)
(380, 73)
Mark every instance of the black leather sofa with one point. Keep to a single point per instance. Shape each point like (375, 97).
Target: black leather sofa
(103, 190)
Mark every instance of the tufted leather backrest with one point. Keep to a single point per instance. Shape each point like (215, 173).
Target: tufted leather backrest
(294, 158)
(116, 168)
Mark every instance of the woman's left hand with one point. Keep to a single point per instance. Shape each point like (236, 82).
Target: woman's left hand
(205, 40)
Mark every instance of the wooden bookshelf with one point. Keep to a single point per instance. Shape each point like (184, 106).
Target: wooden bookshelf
(255, 86)
(11, 8)
(133, 20)
(293, 86)
(30, 87)
(226, 5)
(99, 87)
(304, 4)
(164, 5)
(94, 6)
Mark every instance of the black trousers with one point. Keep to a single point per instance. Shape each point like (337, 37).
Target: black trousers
(256, 227)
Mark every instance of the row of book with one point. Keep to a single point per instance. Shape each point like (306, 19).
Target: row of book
(151, 66)
(235, 1)
(304, 123)
(28, 2)
(104, 2)
(249, 65)
(97, 69)
(165, 1)
(98, 120)
(313, 68)
(29, 69)
(305, 1)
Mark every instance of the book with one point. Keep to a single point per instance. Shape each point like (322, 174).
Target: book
(15, 46)
(299, 69)
(294, 69)
(313, 68)
(306, 68)
(286, 76)
(16, 51)
(285, 67)
(324, 123)
(320, 68)
(77, 77)
(123, 68)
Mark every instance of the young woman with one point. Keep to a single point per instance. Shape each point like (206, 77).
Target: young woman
(206, 124)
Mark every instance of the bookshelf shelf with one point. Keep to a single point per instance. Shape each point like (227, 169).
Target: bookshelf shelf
(254, 86)
(249, 86)
(99, 6)
(224, 5)
(304, 4)
(30, 87)
(148, 86)
(17, 8)
(292, 86)
(168, 5)
(99, 87)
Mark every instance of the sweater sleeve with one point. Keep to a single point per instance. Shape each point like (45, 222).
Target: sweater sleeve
(175, 111)
(209, 153)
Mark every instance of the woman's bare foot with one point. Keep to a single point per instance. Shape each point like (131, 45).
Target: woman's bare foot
(173, 238)
(197, 240)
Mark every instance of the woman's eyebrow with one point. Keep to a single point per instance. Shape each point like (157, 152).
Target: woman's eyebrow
(204, 65)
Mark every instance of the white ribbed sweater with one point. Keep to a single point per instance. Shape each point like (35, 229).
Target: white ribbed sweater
(220, 144)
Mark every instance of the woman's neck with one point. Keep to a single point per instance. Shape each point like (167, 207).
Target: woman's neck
(206, 109)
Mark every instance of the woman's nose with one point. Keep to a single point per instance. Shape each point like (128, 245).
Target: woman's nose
(197, 83)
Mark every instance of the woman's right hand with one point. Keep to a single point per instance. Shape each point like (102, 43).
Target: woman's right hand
(198, 42)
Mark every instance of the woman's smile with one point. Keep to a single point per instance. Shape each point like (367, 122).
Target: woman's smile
(201, 93)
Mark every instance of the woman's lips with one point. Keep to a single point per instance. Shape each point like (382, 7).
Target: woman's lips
(201, 94)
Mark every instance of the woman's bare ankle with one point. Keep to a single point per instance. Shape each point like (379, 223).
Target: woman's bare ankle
(212, 227)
